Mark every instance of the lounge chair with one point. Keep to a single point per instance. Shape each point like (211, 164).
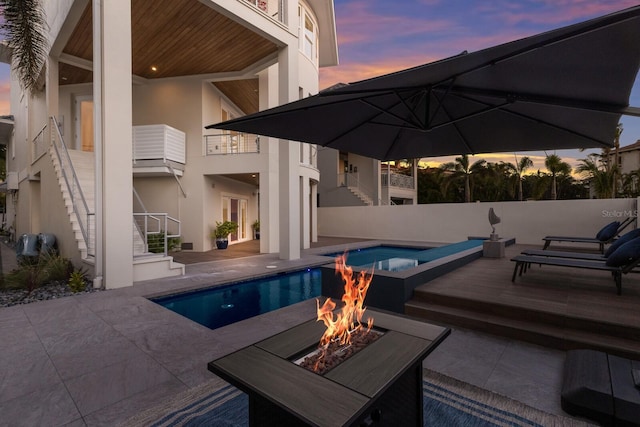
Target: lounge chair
(623, 259)
(582, 255)
(523, 261)
(606, 235)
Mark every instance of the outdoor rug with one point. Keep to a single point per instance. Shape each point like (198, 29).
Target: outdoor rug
(447, 402)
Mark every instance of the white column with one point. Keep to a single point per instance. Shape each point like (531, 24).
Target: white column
(314, 212)
(289, 160)
(305, 213)
(269, 200)
(52, 87)
(113, 141)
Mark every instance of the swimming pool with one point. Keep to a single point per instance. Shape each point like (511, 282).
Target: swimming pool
(392, 286)
(400, 258)
(227, 304)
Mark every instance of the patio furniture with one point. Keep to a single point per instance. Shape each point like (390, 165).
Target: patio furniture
(524, 261)
(600, 386)
(606, 235)
(582, 255)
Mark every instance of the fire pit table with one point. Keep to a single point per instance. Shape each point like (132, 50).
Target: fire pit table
(380, 385)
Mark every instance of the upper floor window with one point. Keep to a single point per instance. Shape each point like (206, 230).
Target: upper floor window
(308, 34)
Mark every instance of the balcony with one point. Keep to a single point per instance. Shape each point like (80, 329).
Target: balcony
(272, 8)
(158, 149)
(231, 143)
(396, 180)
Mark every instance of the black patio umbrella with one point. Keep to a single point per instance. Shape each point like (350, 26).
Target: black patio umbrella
(564, 88)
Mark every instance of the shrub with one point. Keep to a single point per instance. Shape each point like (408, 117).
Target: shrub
(35, 272)
(77, 281)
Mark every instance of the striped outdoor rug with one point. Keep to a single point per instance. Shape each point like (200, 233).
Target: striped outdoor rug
(447, 402)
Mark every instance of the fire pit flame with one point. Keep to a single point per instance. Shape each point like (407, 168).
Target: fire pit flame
(349, 319)
(343, 326)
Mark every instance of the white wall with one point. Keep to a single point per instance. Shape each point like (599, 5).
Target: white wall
(527, 221)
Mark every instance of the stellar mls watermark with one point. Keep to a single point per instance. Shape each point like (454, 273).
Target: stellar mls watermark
(619, 214)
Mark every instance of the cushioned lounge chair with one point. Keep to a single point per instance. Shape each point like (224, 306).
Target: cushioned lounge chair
(606, 235)
(582, 255)
(524, 261)
(621, 261)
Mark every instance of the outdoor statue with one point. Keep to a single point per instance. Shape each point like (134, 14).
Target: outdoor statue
(493, 220)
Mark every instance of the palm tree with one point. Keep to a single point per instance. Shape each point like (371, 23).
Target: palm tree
(25, 29)
(519, 169)
(600, 176)
(463, 167)
(555, 166)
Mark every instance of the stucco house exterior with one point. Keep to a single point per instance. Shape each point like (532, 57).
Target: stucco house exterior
(350, 179)
(113, 148)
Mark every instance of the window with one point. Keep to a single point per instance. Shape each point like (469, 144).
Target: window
(307, 34)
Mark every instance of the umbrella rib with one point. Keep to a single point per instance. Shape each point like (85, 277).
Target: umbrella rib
(524, 116)
(384, 111)
(543, 100)
(455, 126)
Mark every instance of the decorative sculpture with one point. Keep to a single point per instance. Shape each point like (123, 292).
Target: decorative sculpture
(493, 220)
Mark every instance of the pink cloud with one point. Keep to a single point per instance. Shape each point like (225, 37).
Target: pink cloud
(357, 23)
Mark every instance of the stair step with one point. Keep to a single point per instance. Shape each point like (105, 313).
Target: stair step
(540, 314)
(534, 331)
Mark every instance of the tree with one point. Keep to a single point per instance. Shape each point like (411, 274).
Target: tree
(464, 168)
(25, 29)
(600, 176)
(520, 168)
(556, 166)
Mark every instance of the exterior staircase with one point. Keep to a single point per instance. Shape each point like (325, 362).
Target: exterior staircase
(146, 265)
(361, 195)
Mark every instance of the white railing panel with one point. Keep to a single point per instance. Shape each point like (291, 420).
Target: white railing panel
(231, 143)
(159, 142)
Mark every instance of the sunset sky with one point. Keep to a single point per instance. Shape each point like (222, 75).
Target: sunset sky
(381, 36)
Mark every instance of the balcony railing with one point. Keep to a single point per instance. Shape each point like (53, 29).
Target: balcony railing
(231, 143)
(397, 180)
(272, 8)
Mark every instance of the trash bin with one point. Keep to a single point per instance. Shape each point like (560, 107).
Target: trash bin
(27, 246)
(47, 243)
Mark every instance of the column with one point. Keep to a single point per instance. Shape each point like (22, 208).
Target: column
(113, 142)
(289, 163)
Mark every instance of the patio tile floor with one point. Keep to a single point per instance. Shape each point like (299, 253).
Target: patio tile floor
(97, 359)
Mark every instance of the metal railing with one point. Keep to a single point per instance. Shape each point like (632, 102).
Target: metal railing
(160, 232)
(231, 143)
(40, 144)
(85, 217)
(272, 8)
(352, 180)
(397, 180)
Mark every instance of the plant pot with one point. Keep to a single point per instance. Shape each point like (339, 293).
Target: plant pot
(257, 235)
(222, 243)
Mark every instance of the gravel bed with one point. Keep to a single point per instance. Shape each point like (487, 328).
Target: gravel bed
(47, 292)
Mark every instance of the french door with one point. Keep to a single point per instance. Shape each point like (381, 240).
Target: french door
(235, 209)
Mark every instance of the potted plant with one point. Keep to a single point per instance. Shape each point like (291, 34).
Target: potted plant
(222, 231)
(256, 229)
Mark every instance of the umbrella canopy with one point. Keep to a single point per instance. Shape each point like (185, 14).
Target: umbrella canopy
(564, 88)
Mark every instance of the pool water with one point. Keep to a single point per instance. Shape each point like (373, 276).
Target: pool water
(395, 258)
(227, 304)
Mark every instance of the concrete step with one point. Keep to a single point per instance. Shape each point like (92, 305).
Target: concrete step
(530, 328)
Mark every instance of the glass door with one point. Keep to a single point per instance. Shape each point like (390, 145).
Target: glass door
(235, 209)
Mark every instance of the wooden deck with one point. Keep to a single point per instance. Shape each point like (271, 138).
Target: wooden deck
(558, 307)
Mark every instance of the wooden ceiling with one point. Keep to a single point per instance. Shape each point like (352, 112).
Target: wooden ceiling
(179, 38)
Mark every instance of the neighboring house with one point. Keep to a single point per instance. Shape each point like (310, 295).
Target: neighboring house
(113, 149)
(352, 180)
(628, 157)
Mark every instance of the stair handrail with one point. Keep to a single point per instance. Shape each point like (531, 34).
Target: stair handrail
(78, 201)
(162, 220)
(352, 179)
